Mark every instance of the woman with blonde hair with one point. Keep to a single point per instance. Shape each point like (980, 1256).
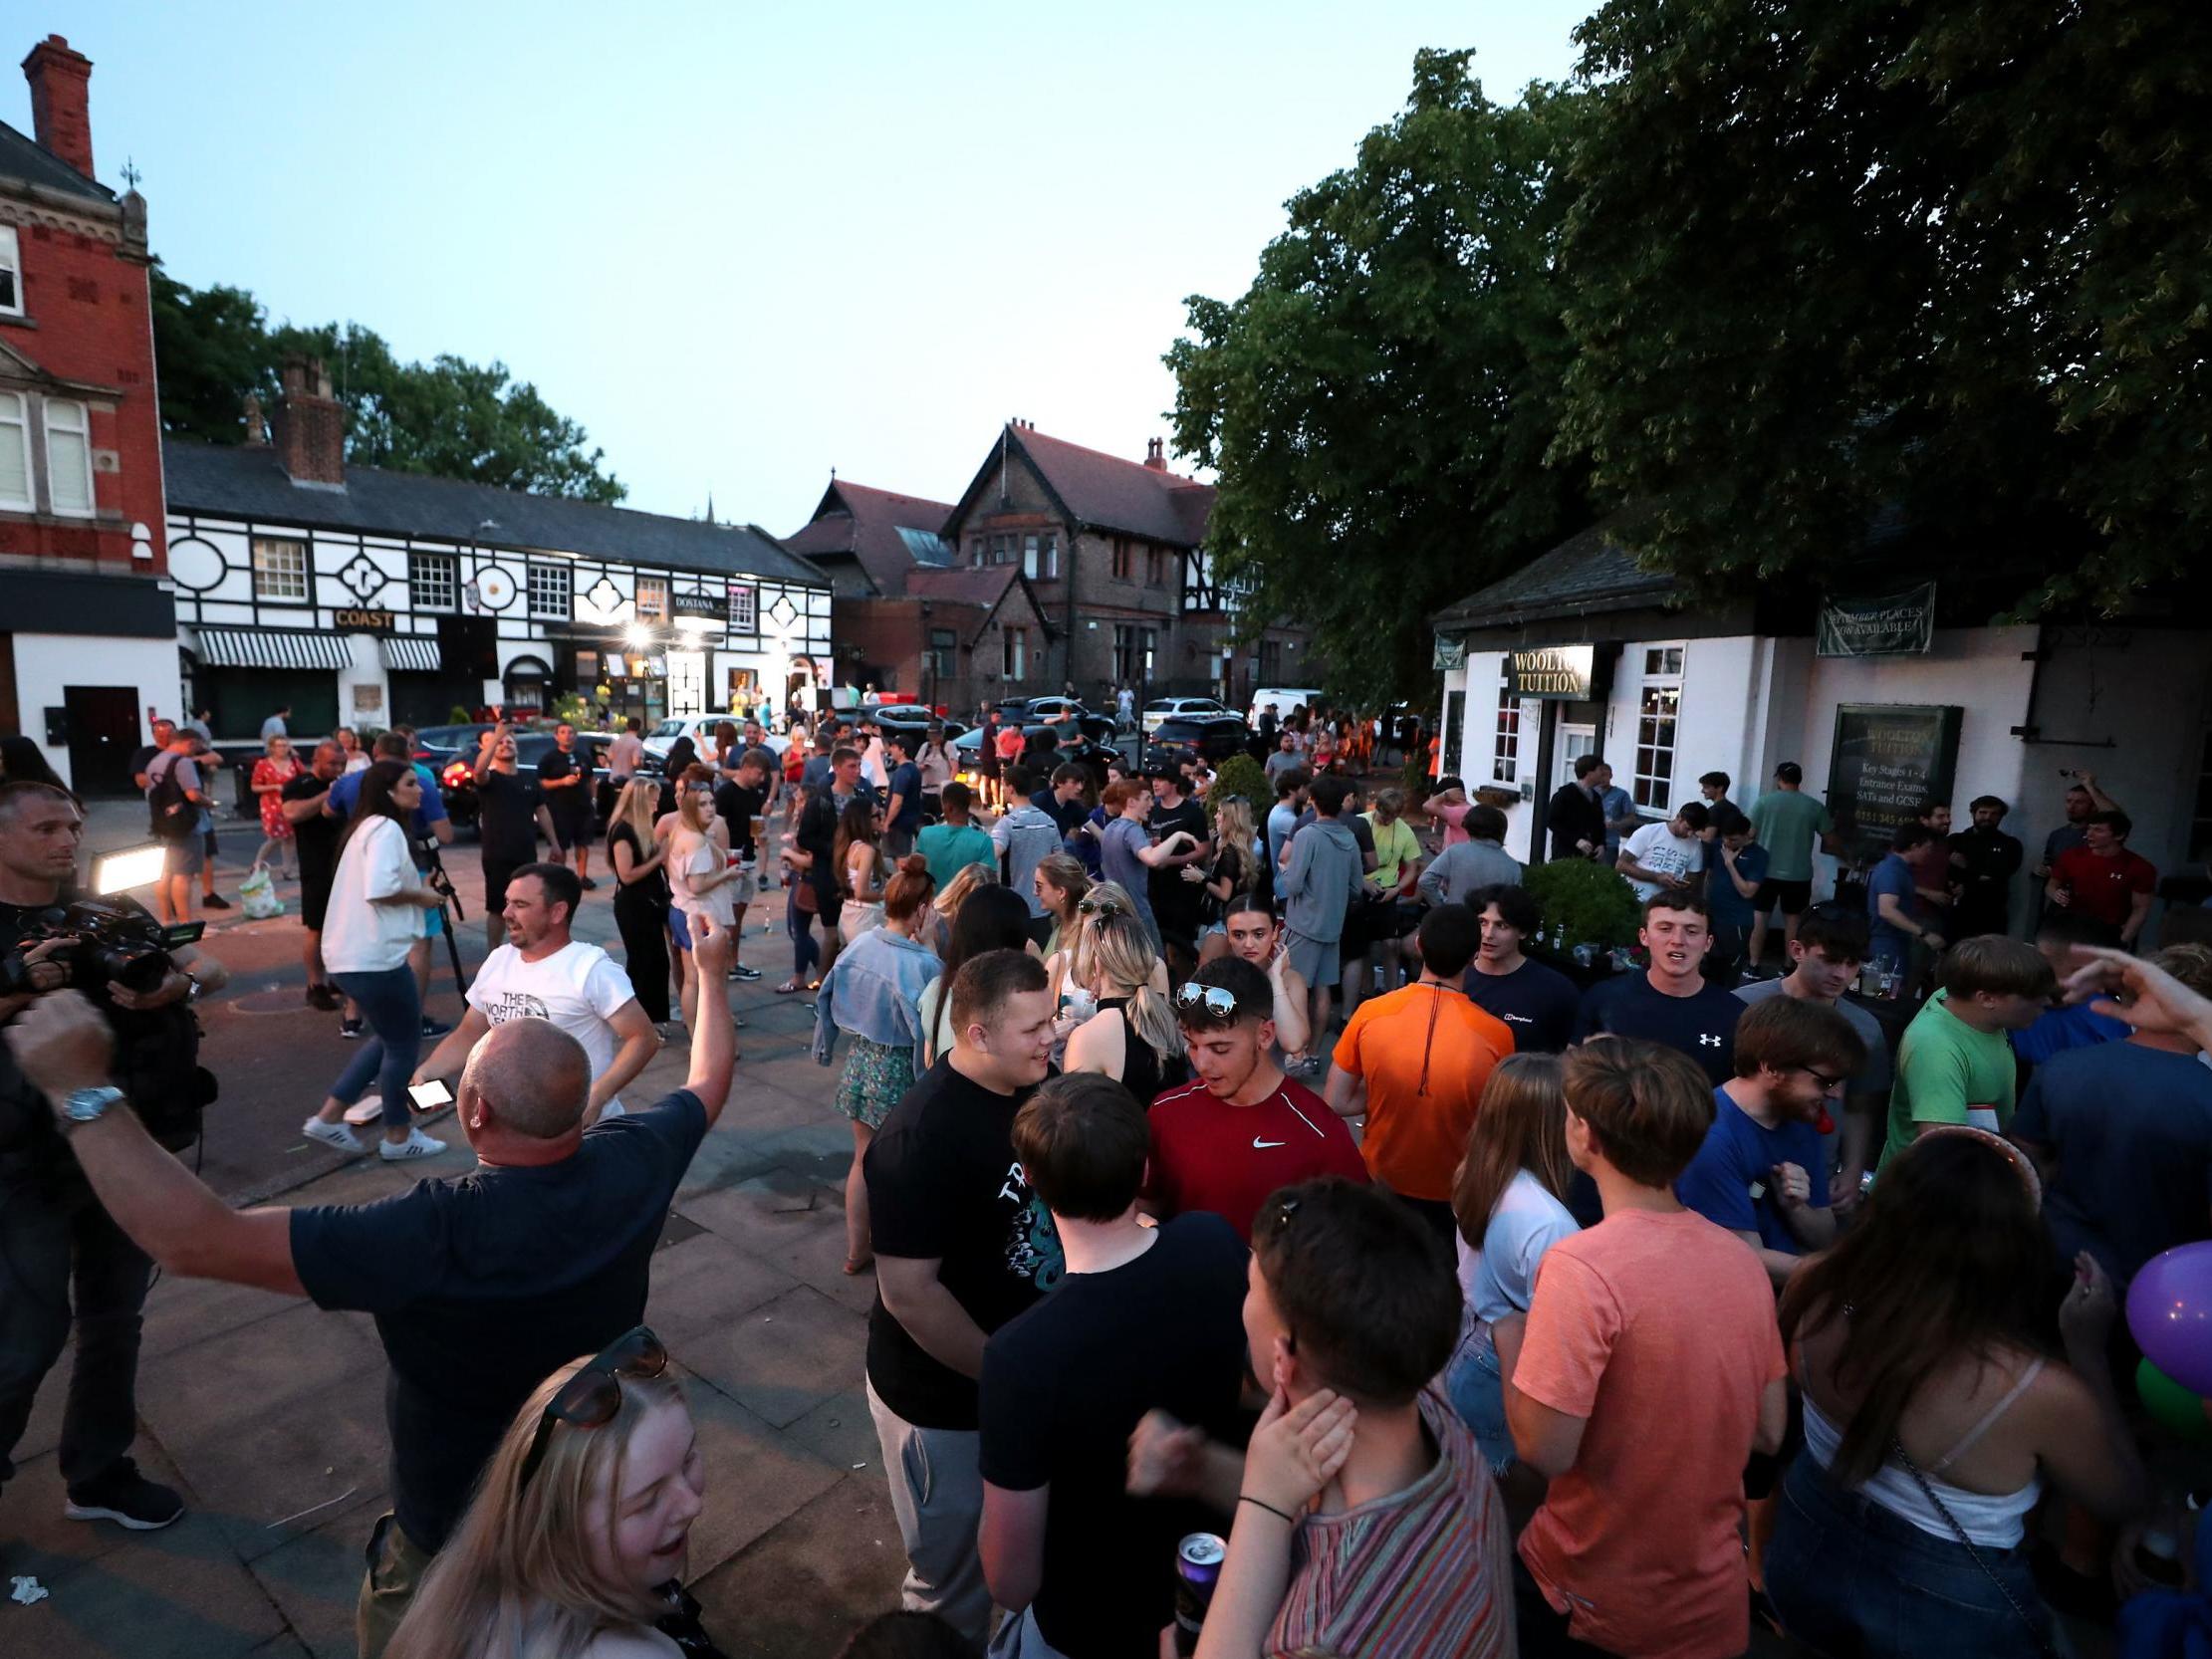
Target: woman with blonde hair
(1231, 873)
(874, 992)
(951, 898)
(1059, 883)
(576, 1544)
(1509, 1199)
(1135, 1037)
(270, 773)
(699, 876)
(861, 867)
(642, 895)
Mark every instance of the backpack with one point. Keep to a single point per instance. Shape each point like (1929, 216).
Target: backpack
(171, 813)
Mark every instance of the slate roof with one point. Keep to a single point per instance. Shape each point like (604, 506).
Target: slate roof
(21, 158)
(1588, 570)
(237, 482)
(862, 523)
(1102, 491)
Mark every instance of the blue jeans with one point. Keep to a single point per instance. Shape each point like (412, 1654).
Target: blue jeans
(390, 1003)
(1477, 1393)
(800, 926)
(1858, 1583)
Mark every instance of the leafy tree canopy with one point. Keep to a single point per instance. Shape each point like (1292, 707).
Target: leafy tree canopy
(1379, 405)
(447, 417)
(1830, 260)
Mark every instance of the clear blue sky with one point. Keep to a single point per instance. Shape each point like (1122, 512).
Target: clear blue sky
(743, 244)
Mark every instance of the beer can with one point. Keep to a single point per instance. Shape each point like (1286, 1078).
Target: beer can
(1197, 1569)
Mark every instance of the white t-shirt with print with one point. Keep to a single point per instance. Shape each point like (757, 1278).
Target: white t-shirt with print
(361, 936)
(1660, 850)
(579, 988)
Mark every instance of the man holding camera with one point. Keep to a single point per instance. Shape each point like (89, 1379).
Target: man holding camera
(58, 1245)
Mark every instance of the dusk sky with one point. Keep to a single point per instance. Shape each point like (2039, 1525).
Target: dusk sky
(742, 244)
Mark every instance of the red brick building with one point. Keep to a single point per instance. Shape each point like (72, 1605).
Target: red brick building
(90, 636)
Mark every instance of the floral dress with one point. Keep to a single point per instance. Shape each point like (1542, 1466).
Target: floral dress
(274, 825)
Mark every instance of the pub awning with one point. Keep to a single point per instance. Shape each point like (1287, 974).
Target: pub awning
(272, 648)
(416, 653)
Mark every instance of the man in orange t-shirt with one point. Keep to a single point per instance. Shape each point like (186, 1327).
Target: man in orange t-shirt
(1416, 1063)
(1645, 1372)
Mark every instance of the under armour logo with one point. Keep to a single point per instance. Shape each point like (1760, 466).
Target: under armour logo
(1707, 1040)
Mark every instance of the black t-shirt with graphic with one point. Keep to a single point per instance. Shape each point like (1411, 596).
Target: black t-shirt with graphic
(943, 1185)
(1539, 1004)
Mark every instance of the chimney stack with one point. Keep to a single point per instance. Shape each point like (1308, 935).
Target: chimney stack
(309, 426)
(1154, 456)
(61, 119)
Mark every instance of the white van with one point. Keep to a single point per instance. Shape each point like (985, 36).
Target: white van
(1285, 698)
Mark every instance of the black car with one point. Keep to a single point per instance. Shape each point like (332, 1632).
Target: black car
(1042, 749)
(1213, 740)
(910, 718)
(457, 777)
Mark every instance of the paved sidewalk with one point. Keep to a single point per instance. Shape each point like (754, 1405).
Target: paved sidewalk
(268, 1413)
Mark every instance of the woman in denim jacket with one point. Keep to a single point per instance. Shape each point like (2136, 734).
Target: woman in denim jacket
(873, 993)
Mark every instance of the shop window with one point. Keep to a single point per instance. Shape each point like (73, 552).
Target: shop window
(11, 273)
(1505, 763)
(550, 590)
(744, 608)
(15, 451)
(651, 605)
(1658, 717)
(68, 457)
(280, 571)
(433, 581)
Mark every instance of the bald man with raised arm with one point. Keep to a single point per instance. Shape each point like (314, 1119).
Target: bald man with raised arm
(480, 1286)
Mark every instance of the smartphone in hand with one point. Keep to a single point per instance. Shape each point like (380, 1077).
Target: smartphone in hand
(430, 1095)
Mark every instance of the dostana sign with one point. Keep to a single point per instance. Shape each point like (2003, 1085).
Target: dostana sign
(1562, 671)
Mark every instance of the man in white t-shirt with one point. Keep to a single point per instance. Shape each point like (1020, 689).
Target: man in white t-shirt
(540, 973)
(1664, 857)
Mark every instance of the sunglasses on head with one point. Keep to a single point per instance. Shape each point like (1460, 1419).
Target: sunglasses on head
(1097, 907)
(1207, 1001)
(591, 1398)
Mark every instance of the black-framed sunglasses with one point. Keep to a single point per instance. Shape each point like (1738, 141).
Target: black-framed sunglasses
(591, 1398)
(1211, 1001)
(1097, 907)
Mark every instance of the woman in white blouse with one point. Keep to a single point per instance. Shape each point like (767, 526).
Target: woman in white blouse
(377, 901)
(700, 875)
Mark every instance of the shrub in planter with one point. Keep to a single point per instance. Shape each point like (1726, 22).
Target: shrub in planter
(1595, 905)
(1241, 775)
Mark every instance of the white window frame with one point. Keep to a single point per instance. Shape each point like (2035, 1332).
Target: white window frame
(1658, 717)
(1049, 557)
(1030, 565)
(539, 576)
(77, 423)
(745, 617)
(10, 262)
(649, 599)
(433, 581)
(271, 585)
(20, 420)
(1505, 744)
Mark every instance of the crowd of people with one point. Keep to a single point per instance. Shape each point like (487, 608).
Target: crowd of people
(1546, 1319)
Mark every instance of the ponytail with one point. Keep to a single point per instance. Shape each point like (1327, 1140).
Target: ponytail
(909, 889)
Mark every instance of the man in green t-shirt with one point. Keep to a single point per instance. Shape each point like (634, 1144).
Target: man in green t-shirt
(957, 842)
(1786, 822)
(1955, 1065)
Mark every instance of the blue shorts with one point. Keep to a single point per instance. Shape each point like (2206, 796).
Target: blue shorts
(185, 857)
(679, 929)
(433, 922)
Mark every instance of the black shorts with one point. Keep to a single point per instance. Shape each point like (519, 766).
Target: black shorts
(497, 873)
(315, 896)
(1793, 896)
(570, 829)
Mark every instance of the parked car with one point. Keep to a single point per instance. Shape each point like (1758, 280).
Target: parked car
(436, 746)
(1285, 698)
(457, 777)
(1051, 708)
(1214, 739)
(1041, 748)
(909, 717)
(1168, 708)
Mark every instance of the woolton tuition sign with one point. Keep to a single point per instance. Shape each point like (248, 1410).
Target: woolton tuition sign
(1887, 759)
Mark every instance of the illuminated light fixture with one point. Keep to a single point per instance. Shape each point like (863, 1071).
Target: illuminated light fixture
(696, 625)
(120, 872)
(638, 636)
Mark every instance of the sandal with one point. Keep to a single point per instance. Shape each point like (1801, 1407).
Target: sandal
(854, 1269)
(789, 988)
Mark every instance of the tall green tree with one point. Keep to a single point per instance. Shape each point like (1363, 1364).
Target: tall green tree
(448, 417)
(1832, 260)
(1379, 405)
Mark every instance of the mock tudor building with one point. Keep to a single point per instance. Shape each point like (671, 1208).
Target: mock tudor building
(906, 617)
(86, 632)
(361, 596)
(1115, 552)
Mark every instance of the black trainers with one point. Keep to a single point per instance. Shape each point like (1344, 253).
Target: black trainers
(588, 885)
(126, 1497)
(213, 901)
(349, 1029)
(431, 1028)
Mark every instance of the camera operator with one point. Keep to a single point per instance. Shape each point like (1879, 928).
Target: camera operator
(57, 1244)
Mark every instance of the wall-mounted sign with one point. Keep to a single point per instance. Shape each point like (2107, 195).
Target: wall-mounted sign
(1893, 624)
(1449, 654)
(1560, 671)
(711, 606)
(363, 621)
(1888, 759)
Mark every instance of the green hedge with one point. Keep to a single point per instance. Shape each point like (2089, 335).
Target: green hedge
(1594, 904)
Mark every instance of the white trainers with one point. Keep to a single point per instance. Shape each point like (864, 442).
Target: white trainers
(332, 1134)
(416, 1145)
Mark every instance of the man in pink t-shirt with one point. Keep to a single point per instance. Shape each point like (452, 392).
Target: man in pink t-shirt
(1448, 806)
(1646, 1370)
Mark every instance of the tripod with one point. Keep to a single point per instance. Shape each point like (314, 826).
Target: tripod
(443, 885)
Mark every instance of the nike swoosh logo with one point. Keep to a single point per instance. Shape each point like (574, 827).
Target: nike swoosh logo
(1259, 1145)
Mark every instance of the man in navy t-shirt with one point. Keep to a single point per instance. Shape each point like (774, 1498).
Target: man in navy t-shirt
(1538, 1004)
(902, 819)
(1671, 1002)
(480, 1286)
(1761, 1173)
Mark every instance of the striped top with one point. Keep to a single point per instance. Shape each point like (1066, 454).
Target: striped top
(1426, 1570)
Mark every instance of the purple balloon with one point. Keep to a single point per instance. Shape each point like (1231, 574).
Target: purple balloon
(2169, 1309)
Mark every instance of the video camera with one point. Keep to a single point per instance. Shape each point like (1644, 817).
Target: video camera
(107, 943)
